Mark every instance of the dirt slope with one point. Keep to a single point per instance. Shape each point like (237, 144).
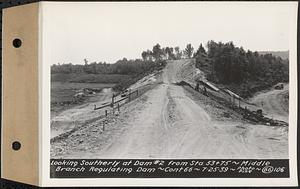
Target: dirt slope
(167, 123)
(272, 103)
(76, 116)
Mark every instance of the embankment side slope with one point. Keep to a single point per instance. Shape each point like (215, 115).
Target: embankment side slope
(167, 123)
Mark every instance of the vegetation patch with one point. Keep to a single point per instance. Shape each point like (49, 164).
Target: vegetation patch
(88, 78)
(244, 72)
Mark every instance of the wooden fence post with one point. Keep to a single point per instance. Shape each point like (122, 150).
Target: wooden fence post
(105, 113)
(118, 107)
(129, 95)
(103, 125)
(112, 100)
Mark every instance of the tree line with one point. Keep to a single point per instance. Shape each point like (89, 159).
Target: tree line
(167, 53)
(150, 60)
(124, 66)
(233, 65)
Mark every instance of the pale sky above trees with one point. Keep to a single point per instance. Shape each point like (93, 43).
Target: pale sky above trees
(110, 31)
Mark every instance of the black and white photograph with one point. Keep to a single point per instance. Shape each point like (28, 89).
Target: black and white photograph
(169, 80)
(157, 85)
(149, 93)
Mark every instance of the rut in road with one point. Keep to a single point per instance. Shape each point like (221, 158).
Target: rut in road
(172, 125)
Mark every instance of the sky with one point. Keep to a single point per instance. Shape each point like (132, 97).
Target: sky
(99, 31)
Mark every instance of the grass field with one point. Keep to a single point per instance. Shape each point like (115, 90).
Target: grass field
(65, 85)
(62, 94)
(64, 91)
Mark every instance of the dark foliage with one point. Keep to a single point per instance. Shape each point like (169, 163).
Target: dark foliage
(245, 72)
(124, 72)
(151, 60)
(188, 51)
(123, 67)
(200, 51)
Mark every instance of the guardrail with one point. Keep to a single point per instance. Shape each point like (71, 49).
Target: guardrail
(129, 96)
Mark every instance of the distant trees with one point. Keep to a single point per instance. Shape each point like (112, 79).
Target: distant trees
(123, 66)
(144, 55)
(178, 53)
(233, 65)
(200, 51)
(150, 59)
(170, 53)
(188, 51)
(162, 53)
(227, 63)
(147, 55)
(200, 55)
(157, 52)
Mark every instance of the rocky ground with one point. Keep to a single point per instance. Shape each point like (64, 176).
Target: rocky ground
(171, 121)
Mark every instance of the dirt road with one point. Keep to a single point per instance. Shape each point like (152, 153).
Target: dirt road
(273, 103)
(167, 123)
(70, 118)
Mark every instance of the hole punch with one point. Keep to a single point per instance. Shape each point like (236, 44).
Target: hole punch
(17, 43)
(16, 145)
